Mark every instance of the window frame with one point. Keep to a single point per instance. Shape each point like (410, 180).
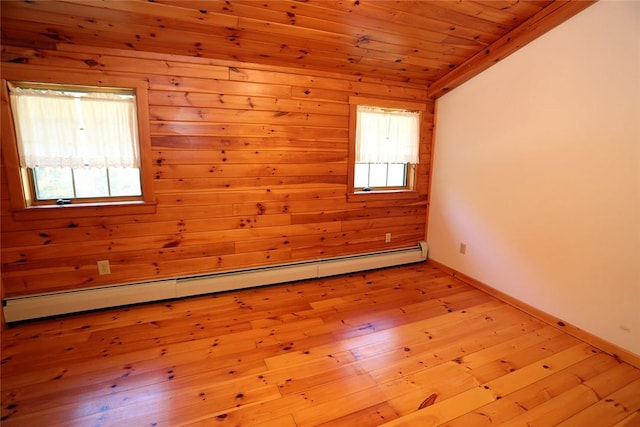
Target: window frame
(408, 192)
(22, 207)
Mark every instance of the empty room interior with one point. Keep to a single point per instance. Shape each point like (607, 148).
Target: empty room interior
(320, 213)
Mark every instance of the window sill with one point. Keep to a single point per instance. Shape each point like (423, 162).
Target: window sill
(360, 196)
(83, 210)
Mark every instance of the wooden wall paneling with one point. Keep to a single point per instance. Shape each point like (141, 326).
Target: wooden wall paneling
(222, 101)
(248, 130)
(107, 62)
(240, 183)
(254, 206)
(230, 170)
(294, 144)
(245, 116)
(188, 84)
(311, 82)
(249, 169)
(165, 212)
(124, 229)
(262, 155)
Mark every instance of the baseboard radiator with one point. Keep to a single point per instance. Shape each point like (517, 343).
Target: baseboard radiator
(55, 303)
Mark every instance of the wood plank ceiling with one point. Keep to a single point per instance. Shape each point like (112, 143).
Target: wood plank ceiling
(430, 43)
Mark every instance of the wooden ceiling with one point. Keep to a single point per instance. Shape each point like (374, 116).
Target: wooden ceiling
(439, 44)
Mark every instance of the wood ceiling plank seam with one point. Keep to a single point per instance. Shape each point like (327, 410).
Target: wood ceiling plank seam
(528, 7)
(115, 64)
(212, 61)
(94, 13)
(385, 48)
(329, 36)
(374, 48)
(89, 18)
(25, 38)
(283, 59)
(412, 38)
(408, 14)
(535, 26)
(66, 34)
(390, 41)
(366, 25)
(114, 34)
(322, 26)
(313, 82)
(490, 13)
(453, 17)
(328, 62)
(154, 11)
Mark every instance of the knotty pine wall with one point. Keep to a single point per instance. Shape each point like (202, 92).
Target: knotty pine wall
(250, 169)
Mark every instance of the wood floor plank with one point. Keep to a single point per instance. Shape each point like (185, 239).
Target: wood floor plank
(339, 406)
(632, 420)
(539, 369)
(420, 356)
(529, 398)
(556, 410)
(442, 382)
(441, 412)
(608, 411)
(407, 346)
(368, 417)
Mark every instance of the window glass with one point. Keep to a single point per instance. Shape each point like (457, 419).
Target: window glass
(397, 175)
(91, 182)
(377, 175)
(361, 175)
(124, 181)
(53, 183)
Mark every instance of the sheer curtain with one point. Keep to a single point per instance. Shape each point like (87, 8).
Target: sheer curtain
(67, 129)
(387, 136)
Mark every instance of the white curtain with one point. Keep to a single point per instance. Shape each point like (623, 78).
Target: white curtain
(66, 129)
(387, 136)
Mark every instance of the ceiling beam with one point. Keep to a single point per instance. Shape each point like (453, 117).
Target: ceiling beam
(545, 20)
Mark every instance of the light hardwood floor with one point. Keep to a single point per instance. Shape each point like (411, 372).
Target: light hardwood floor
(401, 346)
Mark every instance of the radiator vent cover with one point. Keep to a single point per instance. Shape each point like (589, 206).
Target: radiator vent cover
(55, 303)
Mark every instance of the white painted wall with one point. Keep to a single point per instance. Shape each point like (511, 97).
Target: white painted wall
(537, 170)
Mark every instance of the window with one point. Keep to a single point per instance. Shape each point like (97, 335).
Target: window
(75, 144)
(384, 145)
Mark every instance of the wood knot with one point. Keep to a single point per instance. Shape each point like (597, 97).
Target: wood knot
(428, 401)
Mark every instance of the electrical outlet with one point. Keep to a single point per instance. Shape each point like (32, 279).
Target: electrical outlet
(103, 267)
(387, 237)
(463, 248)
